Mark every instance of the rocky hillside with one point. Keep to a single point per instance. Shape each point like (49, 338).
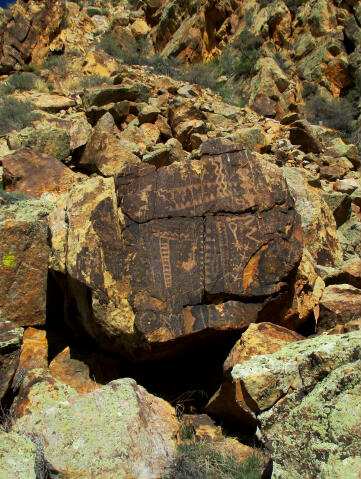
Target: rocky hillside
(180, 264)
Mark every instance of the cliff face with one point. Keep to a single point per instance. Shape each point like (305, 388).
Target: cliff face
(180, 203)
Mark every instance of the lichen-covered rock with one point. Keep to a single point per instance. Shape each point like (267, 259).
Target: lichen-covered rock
(318, 222)
(117, 431)
(17, 456)
(24, 254)
(184, 236)
(47, 137)
(306, 398)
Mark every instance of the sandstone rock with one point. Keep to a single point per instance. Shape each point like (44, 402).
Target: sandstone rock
(72, 372)
(48, 137)
(350, 237)
(263, 338)
(103, 95)
(53, 103)
(10, 341)
(303, 395)
(203, 427)
(354, 325)
(302, 135)
(18, 456)
(24, 255)
(340, 303)
(338, 149)
(98, 62)
(116, 431)
(34, 174)
(105, 152)
(139, 307)
(34, 351)
(318, 223)
(148, 114)
(340, 205)
(80, 132)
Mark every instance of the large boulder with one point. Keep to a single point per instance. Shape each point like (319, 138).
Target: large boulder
(194, 243)
(306, 398)
(117, 431)
(106, 153)
(24, 254)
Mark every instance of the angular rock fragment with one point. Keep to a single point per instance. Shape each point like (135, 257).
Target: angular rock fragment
(34, 174)
(106, 153)
(339, 304)
(24, 254)
(262, 338)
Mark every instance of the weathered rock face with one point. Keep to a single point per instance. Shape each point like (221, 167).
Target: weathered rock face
(18, 456)
(196, 241)
(24, 253)
(10, 340)
(340, 303)
(318, 222)
(303, 395)
(117, 431)
(32, 173)
(262, 338)
(28, 31)
(105, 152)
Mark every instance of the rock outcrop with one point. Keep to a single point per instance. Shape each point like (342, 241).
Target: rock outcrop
(303, 395)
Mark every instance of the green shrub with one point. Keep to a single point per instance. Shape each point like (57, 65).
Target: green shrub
(204, 74)
(336, 113)
(248, 44)
(89, 81)
(57, 63)
(15, 114)
(202, 460)
(23, 81)
(110, 44)
(93, 11)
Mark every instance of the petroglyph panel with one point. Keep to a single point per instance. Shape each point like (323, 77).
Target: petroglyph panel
(196, 246)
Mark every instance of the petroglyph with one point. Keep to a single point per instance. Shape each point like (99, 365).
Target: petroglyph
(203, 230)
